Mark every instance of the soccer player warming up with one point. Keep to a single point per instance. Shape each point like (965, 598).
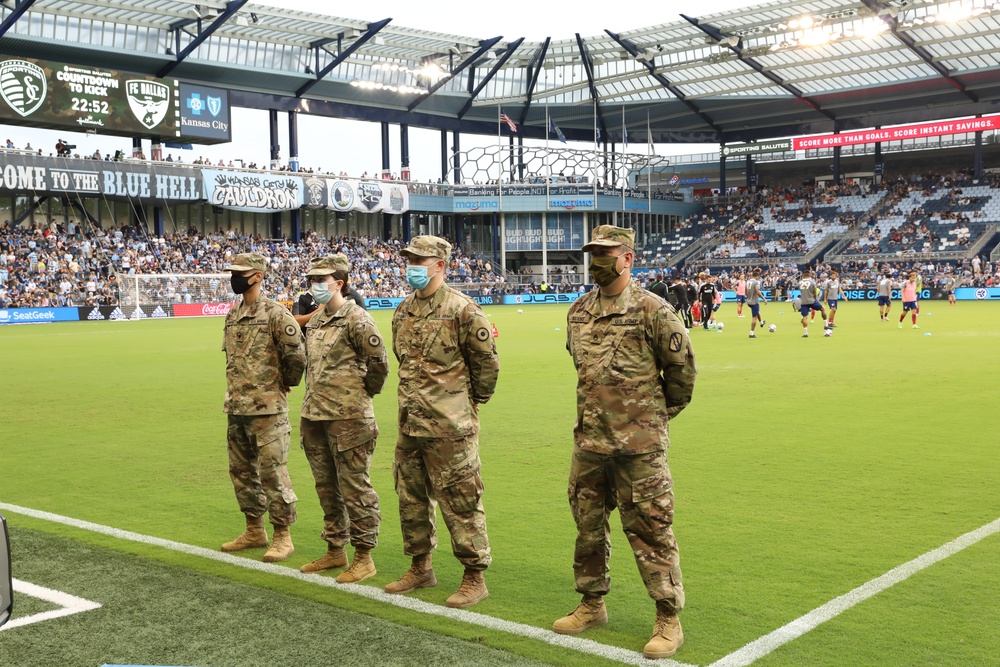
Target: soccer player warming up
(807, 299)
(884, 295)
(741, 294)
(910, 300)
(831, 293)
(754, 295)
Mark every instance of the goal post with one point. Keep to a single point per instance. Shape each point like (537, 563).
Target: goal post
(148, 289)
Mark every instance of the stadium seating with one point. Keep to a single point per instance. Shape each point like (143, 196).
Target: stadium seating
(932, 221)
(696, 227)
(795, 229)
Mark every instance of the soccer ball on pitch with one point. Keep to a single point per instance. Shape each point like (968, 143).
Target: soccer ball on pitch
(720, 326)
(519, 311)
(772, 328)
(827, 332)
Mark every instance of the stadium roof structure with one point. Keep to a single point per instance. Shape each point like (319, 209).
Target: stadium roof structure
(772, 70)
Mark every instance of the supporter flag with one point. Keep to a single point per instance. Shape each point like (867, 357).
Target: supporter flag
(505, 118)
(553, 128)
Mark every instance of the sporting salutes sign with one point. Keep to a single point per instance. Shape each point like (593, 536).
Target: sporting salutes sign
(42, 93)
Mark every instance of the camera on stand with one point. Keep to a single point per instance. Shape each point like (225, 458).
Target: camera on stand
(63, 149)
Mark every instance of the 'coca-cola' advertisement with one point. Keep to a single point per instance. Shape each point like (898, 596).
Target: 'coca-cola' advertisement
(201, 309)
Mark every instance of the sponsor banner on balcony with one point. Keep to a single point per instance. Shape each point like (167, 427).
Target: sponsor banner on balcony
(936, 128)
(347, 195)
(21, 173)
(256, 193)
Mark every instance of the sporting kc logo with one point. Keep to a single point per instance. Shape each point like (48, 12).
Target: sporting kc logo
(22, 85)
(149, 101)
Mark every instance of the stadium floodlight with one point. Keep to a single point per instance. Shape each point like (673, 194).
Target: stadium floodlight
(431, 71)
(6, 580)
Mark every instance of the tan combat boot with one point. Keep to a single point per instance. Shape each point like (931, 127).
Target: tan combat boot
(590, 613)
(667, 635)
(282, 546)
(471, 591)
(334, 557)
(420, 575)
(362, 567)
(254, 537)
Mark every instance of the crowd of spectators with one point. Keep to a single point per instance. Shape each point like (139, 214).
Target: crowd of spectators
(52, 266)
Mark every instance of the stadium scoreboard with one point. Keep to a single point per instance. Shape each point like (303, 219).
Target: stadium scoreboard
(42, 93)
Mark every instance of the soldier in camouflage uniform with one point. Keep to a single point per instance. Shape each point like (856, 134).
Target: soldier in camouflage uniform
(346, 365)
(636, 371)
(265, 358)
(448, 367)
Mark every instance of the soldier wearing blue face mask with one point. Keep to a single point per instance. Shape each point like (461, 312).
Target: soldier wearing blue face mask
(448, 367)
(346, 366)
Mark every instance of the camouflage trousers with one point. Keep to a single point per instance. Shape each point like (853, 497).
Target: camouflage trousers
(258, 466)
(641, 488)
(340, 453)
(429, 471)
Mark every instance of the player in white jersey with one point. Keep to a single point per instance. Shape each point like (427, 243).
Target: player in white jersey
(884, 295)
(755, 295)
(831, 293)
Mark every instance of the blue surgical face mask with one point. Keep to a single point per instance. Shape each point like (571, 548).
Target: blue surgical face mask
(321, 292)
(416, 277)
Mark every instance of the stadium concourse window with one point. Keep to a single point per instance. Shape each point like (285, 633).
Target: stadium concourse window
(6, 582)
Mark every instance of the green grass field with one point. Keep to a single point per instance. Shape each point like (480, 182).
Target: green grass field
(803, 469)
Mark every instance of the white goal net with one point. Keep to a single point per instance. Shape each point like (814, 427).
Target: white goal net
(172, 288)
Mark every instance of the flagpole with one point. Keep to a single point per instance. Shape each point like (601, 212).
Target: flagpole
(624, 146)
(500, 160)
(594, 156)
(649, 166)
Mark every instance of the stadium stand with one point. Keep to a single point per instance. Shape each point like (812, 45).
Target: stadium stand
(53, 266)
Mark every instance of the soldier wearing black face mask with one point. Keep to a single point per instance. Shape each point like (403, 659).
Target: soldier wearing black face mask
(265, 358)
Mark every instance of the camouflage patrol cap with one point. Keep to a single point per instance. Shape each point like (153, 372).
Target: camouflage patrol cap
(248, 262)
(325, 266)
(609, 236)
(427, 246)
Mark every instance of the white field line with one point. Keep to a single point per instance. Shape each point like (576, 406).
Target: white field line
(70, 604)
(568, 642)
(760, 647)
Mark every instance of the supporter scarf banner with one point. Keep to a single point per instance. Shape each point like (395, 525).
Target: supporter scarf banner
(256, 193)
(367, 196)
(21, 173)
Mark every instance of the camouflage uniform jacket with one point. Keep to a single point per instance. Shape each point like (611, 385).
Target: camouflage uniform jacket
(264, 354)
(636, 370)
(346, 364)
(447, 363)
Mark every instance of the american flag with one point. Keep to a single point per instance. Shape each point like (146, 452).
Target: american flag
(505, 118)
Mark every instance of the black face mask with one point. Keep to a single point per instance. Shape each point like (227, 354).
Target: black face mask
(240, 283)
